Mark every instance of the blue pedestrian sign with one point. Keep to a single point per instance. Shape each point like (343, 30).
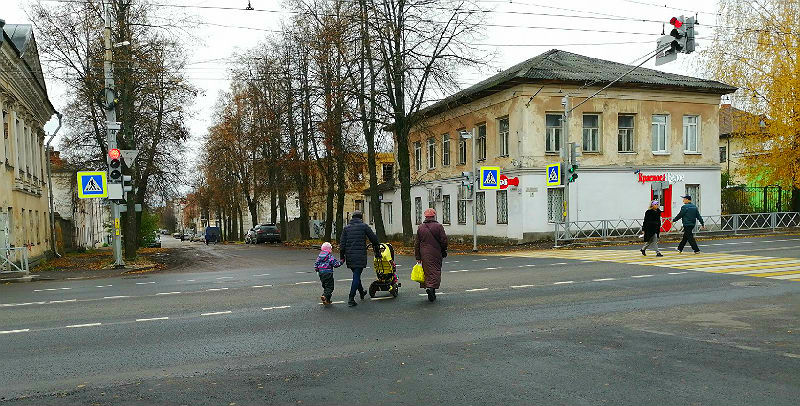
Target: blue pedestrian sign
(92, 185)
(554, 175)
(490, 177)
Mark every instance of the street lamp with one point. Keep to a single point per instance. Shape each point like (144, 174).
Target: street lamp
(466, 136)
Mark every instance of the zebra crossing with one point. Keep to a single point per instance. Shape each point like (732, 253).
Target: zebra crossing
(720, 263)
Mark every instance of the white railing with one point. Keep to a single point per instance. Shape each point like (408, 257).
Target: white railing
(14, 260)
(602, 230)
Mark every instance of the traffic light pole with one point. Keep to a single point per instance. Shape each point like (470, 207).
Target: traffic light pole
(474, 195)
(565, 155)
(111, 130)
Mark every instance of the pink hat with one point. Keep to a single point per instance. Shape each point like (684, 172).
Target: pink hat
(430, 213)
(326, 247)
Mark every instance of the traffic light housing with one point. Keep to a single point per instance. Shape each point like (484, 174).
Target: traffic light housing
(127, 184)
(572, 173)
(691, 34)
(678, 32)
(114, 166)
(572, 169)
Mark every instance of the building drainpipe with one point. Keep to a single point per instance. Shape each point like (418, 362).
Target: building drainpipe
(50, 188)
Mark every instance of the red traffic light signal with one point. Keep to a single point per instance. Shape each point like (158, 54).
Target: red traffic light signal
(114, 153)
(676, 22)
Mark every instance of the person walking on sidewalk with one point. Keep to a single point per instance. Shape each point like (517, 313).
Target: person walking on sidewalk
(652, 228)
(352, 244)
(690, 216)
(430, 248)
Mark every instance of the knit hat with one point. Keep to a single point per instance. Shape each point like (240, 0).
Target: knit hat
(358, 214)
(326, 247)
(430, 213)
(655, 203)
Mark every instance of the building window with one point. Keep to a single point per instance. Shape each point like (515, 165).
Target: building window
(555, 205)
(502, 207)
(431, 153)
(432, 198)
(480, 207)
(446, 209)
(418, 156)
(387, 213)
(445, 149)
(659, 133)
(388, 172)
(553, 133)
(625, 133)
(502, 135)
(694, 192)
(481, 142)
(462, 205)
(6, 141)
(462, 149)
(690, 134)
(418, 209)
(359, 205)
(591, 133)
(723, 154)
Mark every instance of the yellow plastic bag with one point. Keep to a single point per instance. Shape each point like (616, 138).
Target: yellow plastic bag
(417, 274)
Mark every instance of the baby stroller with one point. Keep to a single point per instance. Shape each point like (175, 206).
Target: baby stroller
(385, 271)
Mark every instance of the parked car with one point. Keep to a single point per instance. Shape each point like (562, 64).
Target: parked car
(266, 233)
(187, 236)
(155, 242)
(177, 235)
(196, 237)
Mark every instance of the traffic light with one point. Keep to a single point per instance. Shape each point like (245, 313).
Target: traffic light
(572, 170)
(691, 34)
(468, 183)
(127, 185)
(678, 44)
(114, 166)
(572, 174)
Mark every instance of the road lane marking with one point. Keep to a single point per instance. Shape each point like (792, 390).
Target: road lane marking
(507, 258)
(483, 259)
(603, 279)
(275, 307)
(225, 277)
(306, 282)
(677, 273)
(382, 298)
(62, 301)
(168, 293)
(216, 313)
(641, 276)
(261, 286)
(559, 263)
(21, 304)
(476, 290)
(522, 286)
(191, 280)
(336, 302)
(145, 283)
(22, 330)
(563, 283)
(215, 289)
(490, 269)
(344, 280)
(153, 319)
(116, 297)
(530, 265)
(84, 325)
(437, 293)
(263, 274)
(104, 286)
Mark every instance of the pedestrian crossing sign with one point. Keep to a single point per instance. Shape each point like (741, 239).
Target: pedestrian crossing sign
(490, 177)
(92, 185)
(554, 175)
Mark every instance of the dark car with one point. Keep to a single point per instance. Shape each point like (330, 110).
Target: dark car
(265, 233)
(212, 235)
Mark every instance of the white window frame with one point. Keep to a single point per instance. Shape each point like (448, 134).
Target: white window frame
(593, 133)
(553, 135)
(480, 142)
(418, 155)
(502, 136)
(695, 194)
(626, 135)
(687, 128)
(431, 153)
(418, 210)
(653, 140)
(462, 149)
(723, 154)
(502, 206)
(446, 149)
(446, 209)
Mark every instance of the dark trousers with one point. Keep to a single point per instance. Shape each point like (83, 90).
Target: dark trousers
(327, 284)
(688, 236)
(356, 285)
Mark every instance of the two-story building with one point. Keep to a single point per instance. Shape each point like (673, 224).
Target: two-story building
(25, 107)
(649, 126)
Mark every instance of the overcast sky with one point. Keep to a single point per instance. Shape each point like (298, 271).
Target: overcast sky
(513, 31)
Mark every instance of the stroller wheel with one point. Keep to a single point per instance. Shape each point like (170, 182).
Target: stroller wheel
(393, 290)
(372, 289)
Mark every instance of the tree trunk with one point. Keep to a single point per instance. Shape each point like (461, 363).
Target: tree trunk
(329, 209)
(283, 217)
(240, 237)
(404, 172)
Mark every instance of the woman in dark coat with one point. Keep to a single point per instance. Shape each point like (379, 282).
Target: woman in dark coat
(652, 228)
(430, 248)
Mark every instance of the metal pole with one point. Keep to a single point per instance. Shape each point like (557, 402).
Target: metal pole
(48, 150)
(111, 135)
(475, 175)
(565, 154)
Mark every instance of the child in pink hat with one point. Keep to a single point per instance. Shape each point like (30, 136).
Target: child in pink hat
(324, 267)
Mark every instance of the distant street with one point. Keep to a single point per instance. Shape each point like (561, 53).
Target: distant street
(586, 326)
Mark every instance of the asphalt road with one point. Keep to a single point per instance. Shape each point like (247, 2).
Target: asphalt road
(597, 327)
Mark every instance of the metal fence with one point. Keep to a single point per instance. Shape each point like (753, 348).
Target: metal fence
(602, 230)
(750, 199)
(14, 260)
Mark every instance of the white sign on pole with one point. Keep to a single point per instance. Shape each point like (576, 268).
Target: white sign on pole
(129, 155)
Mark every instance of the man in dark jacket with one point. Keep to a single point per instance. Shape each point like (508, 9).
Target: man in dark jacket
(353, 249)
(690, 216)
